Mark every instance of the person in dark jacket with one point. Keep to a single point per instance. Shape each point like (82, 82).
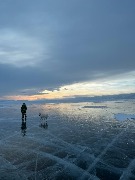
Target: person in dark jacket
(23, 110)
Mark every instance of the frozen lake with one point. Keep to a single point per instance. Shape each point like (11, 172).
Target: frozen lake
(83, 141)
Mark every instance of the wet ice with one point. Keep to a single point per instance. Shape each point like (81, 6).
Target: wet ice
(79, 143)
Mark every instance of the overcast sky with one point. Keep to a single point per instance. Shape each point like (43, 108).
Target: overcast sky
(48, 44)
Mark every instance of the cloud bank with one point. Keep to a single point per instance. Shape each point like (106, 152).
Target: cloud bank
(48, 44)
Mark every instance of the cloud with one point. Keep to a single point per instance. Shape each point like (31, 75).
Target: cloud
(49, 44)
(18, 49)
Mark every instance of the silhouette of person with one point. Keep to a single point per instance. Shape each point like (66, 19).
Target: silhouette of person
(23, 111)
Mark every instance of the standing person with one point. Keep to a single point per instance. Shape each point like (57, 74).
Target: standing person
(23, 110)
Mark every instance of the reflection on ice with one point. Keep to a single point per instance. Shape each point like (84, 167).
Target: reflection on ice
(23, 127)
(79, 143)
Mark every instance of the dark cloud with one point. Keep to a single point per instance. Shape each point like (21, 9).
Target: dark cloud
(80, 41)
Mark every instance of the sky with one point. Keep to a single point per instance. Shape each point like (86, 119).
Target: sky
(66, 48)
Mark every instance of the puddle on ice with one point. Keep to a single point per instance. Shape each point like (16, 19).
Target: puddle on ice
(83, 141)
(94, 106)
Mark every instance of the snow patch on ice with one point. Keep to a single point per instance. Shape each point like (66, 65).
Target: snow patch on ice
(122, 117)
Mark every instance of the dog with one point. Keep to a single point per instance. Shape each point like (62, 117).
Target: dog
(43, 117)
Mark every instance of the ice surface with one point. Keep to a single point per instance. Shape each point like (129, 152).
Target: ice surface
(82, 141)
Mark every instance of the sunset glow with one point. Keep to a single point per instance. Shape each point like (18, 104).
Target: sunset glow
(97, 88)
